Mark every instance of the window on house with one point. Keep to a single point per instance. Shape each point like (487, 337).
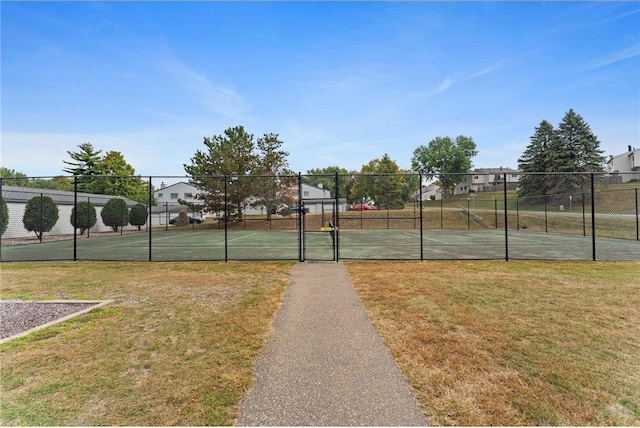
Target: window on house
(475, 177)
(305, 193)
(188, 195)
(174, 196)
(159, 195)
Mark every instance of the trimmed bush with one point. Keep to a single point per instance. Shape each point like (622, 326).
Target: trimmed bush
(86, 217)
(4, 216)
(40, 215)
(138, 215)
(115, 214)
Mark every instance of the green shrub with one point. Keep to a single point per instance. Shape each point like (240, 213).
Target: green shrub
(4, 216)
(40, 215)
(138, 215)
(86, 216)
(115, 214)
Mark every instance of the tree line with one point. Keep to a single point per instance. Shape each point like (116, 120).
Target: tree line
(104, 175)
(256, 171)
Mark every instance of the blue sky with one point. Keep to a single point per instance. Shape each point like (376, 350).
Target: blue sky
(341, 82)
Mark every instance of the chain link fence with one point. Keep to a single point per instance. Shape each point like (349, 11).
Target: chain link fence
(498, 216)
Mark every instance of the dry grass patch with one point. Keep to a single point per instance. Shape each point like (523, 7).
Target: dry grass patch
(175, 348)
(518, 343)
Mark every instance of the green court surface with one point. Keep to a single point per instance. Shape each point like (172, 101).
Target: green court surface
(190, 245)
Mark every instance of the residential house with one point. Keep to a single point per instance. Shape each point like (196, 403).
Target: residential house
(428, 193)
(488, 180)
(626, 165)
(317, 199)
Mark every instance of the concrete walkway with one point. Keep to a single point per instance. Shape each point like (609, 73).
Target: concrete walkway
(325, 364)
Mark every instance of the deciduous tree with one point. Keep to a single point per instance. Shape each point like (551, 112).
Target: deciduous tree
(443, 158)
(380, 181)
(117, 178)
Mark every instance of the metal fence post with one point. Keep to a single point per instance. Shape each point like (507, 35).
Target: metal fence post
(506, 221)
(336, 220)
(584, 215)
(421, 229)
(41, 224)
(75, 218)
(2, 218)
(468, 214)
(88, 214)
(593, 215)
(637, 225)
(546, 221)
(441, 214)
(122, 218)
(226, 214)
(150, 221)
(495, 211)
(300, 220)
(517, 213)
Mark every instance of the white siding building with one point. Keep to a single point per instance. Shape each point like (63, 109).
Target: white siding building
(627, 165)
(18, 197)
(488, 180)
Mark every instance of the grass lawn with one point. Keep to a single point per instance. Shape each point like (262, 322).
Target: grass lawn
(518, 343)
(481, 343)
(175, 348)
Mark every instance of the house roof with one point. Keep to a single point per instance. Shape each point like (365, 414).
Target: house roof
(24, 194)
(175, 184)
(493, 170)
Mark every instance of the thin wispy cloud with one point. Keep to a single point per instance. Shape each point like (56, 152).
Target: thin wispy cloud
(453, 79)
(608, 20)
(218, 98)
(622, 55)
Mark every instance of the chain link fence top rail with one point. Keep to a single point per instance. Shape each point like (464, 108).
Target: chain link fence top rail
(588, 216)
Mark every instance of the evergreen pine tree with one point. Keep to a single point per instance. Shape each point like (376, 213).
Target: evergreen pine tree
(577, 150)
(85, 165)
(538, 158)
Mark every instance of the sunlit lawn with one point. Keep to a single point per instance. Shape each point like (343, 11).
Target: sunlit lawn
(175, 348)
(481, 343)
(518, 343)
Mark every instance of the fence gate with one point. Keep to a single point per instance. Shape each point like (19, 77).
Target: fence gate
(319, 239)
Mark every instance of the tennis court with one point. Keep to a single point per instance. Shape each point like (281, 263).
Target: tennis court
(394, 244)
